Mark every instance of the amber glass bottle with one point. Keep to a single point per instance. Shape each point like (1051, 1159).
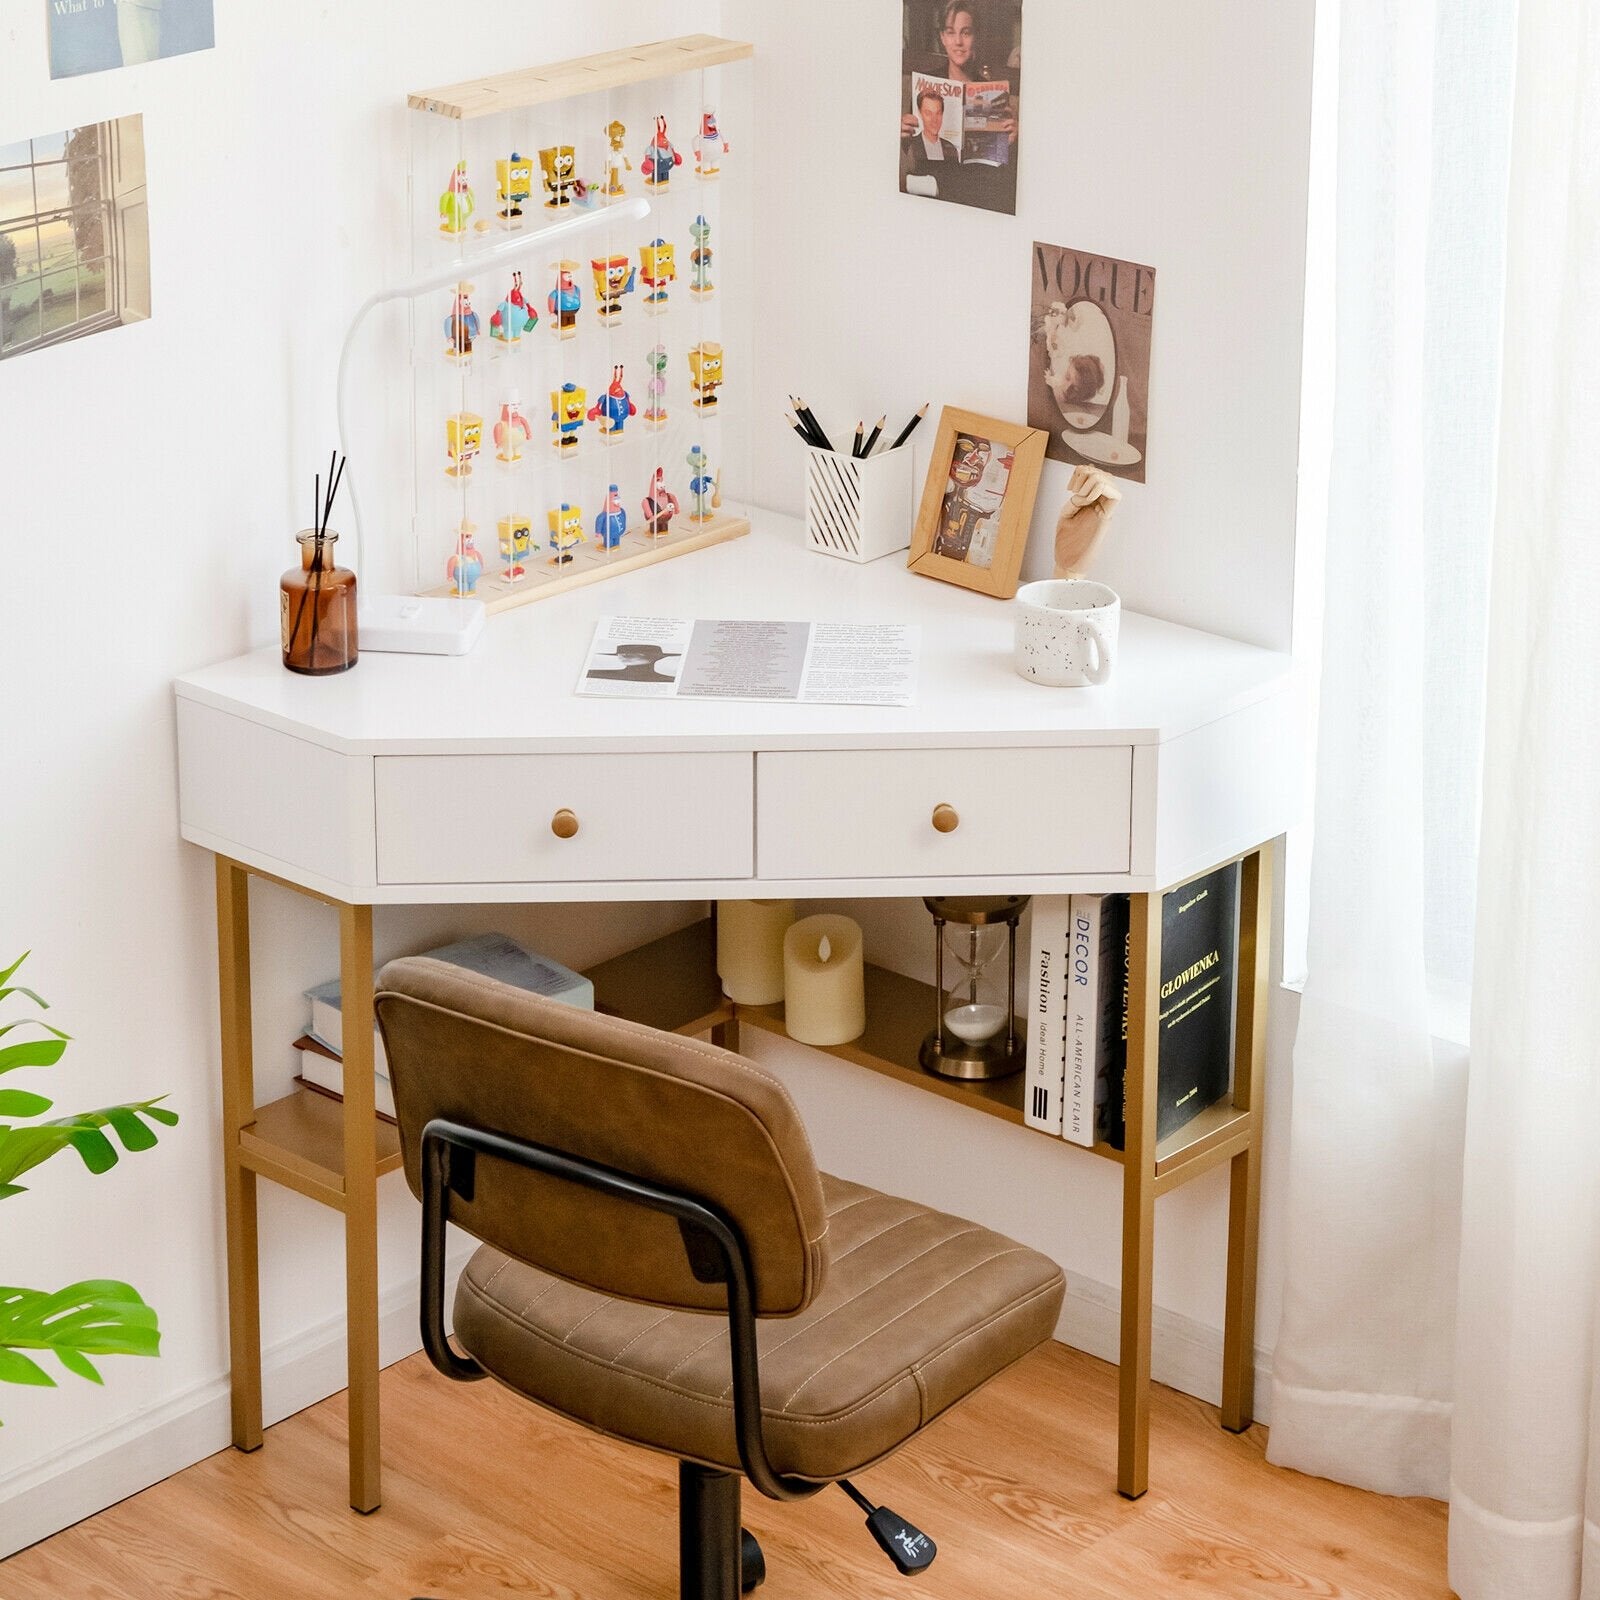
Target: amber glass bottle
(317, 610)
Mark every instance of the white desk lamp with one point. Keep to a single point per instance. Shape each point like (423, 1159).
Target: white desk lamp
(415, 623)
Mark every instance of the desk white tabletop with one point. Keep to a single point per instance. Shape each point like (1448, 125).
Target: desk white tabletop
(515, 690)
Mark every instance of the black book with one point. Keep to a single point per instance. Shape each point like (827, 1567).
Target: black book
(1199, 968)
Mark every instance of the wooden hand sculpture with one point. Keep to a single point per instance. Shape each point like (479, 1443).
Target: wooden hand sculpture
(1091, 502)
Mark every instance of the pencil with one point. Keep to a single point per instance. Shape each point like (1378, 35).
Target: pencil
(855, 450)
(906, 432)
(872, 438)
(799, 427)
(807, 416)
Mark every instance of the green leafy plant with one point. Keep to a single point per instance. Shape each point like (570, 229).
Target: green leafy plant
(99, 1316)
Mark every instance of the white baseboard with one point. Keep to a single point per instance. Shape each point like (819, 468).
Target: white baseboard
(104, 1468)
(148, 1446)
(1184, 1354)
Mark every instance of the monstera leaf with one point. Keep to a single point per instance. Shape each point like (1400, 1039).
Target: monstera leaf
(98, 1317)
(23, 1148)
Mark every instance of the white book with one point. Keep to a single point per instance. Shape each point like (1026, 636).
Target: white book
(1047, 970)
(1093, 1018)
(327, 1072)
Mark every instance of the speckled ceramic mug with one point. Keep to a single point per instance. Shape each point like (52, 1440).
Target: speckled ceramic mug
(1066, 631)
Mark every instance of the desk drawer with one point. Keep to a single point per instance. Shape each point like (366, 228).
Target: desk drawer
(492, 819)
(870, 814)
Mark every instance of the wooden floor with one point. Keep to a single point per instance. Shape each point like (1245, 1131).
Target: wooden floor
(488, 1498)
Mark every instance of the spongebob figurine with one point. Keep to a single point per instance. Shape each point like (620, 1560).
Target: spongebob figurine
(705, 374)
(516, 543)
(566, 530)
(701, 485)
(616, 161)
(557, 163)
(513, 185)
(566, 417)
(613, 278)
(657, 267)
(463, 437)
(456, 204)
(465, 565)
(700, 284)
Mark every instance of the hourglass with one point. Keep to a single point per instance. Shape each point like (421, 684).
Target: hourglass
(975, 1033)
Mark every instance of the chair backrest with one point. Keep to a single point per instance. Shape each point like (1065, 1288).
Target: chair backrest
(674, 1111)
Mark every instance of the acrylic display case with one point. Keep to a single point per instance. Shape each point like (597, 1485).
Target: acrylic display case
(580, 405)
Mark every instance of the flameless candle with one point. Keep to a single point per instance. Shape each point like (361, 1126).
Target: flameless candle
(750, 949)
(824, 983)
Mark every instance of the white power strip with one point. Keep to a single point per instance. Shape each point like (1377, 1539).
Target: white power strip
(418, 625)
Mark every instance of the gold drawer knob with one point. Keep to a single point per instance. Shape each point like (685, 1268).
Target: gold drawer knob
(564, 824)
(946, 818)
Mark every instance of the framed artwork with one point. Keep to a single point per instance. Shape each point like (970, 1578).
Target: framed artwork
(1089, 358)
(972, 524)
(961, 101)
(101, 35)
(74, 235)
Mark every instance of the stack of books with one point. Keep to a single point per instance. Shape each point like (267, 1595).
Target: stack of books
(1078, 1008)
(492, 955)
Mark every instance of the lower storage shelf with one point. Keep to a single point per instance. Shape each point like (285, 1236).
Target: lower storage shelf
(672, 983)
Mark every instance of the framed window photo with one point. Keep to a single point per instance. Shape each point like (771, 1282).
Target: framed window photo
(972, 524)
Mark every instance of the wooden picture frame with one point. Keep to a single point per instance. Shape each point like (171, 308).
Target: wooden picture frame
(962, 533)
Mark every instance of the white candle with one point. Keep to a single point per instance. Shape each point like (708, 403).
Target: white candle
(750, 949)
(824, 982)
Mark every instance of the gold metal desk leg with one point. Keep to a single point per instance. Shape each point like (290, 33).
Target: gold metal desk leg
(239, 1182)
(1244, 1178)
(360, 1205)
(1139, 1193)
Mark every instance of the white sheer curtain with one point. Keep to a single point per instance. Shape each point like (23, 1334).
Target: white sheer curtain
(1362, 1368)
(1525, 1480)
(1443, 1297)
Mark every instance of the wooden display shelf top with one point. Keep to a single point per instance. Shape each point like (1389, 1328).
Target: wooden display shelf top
(298, 1141)
(611, 69)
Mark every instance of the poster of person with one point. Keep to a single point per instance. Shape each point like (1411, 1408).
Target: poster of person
(1089, 358)
(97, 35)
(960, 91)
(975, 489)
(74, 235)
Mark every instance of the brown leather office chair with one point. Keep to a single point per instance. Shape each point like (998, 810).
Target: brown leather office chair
(663, 1262)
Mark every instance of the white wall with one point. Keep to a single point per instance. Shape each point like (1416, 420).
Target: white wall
(150, 482)
(1157, 131)
(153, 477)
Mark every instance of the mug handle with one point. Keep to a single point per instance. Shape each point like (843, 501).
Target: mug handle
(1101, 670)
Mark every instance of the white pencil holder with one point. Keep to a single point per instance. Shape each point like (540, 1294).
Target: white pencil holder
(858, 510)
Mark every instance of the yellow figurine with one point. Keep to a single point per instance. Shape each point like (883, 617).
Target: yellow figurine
(616, 161)
(658, 267)
(516, 542)
(513, 185)
(705, 370)
(557, 163)
(613, 278)
(566, 417)
(463, 435)
(566, 530)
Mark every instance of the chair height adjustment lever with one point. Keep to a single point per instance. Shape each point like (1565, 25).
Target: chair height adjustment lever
(909, 1548)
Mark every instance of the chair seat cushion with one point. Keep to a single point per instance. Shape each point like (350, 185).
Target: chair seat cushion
(916, 1310)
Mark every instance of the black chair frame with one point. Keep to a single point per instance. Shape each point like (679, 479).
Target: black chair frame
(717, 1560)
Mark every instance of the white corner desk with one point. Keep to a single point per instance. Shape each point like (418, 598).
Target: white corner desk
(416, 778)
